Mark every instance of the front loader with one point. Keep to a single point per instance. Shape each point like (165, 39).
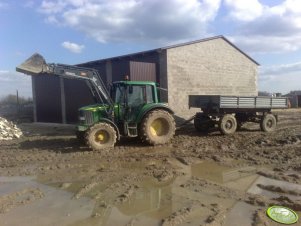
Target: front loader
(130, 109)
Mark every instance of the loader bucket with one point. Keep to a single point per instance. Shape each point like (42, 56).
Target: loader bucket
(34, 65)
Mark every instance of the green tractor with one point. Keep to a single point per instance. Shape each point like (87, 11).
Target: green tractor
(130, 109)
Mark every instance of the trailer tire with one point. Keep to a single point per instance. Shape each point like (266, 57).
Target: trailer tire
(268, 123)
(101, 136)
(202, 123)
(227, 124)
(158, 127)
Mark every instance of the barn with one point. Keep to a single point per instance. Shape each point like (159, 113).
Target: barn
(212, 66)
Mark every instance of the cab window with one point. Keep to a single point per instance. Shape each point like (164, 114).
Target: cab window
(149, 94)
(135, 95)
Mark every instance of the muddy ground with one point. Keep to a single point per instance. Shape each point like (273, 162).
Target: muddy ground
(48, 178)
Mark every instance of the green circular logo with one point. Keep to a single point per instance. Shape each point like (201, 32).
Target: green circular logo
(282, 215)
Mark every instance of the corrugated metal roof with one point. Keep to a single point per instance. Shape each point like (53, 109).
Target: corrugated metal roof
(173, 46)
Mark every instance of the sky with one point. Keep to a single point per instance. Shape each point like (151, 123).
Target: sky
(76, 31)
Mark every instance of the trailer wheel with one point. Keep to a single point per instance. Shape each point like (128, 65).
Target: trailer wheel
(268, 123)
(227, 124)
(101, 136)
(158, 127)
(202, 123)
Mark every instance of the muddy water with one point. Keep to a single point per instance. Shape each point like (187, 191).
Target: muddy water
(148, 205)
(203, 191)
(220, 173)
(153, 202)
(23, 201)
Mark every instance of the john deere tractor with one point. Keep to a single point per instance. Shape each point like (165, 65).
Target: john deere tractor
(130, 109)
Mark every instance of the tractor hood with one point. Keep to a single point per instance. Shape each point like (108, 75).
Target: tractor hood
(95, 107)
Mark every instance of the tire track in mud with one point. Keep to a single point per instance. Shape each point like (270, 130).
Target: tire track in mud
(20, 198)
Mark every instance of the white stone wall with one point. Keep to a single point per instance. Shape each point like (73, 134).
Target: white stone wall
(211, 67)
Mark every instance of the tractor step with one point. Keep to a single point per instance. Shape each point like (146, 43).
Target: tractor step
(131, 129)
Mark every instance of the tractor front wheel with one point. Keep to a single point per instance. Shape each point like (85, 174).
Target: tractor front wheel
(158, 127)
(101, 136)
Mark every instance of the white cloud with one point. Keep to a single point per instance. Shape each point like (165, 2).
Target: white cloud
(264, 28)
(245, 10)
(134, 20)
(271, 44)
(10, 81)
(280, 78)
(73, 47)
(52, 7)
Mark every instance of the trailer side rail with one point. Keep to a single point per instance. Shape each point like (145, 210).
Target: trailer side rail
(236, 102)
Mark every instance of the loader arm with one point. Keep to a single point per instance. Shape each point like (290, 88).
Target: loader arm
(36, 65)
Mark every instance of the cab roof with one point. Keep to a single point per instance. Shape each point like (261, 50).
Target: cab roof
(136, 83)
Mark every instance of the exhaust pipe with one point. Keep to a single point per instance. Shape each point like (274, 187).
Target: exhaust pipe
(34, 65)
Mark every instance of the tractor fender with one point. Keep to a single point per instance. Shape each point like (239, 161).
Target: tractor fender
(144, 112)
(112, 124)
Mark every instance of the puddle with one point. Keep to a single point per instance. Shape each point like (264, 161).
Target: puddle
(151, 203)
(24, 201)
(148, 205)
(218, 173)
(243, 213)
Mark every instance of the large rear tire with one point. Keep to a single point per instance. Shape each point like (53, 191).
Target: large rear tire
(101, 136)
(158, 127)
(227, 124)
(268, 123)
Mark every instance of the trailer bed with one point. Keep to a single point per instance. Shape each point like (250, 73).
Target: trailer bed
(237, 102)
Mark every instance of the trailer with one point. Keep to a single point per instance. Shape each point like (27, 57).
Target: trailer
(229, 113)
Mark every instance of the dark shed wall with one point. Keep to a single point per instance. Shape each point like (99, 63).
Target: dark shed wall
(102, 72)
(77, 95)
(48, 99)
(115, 69)
(49, 103)
(120, 68)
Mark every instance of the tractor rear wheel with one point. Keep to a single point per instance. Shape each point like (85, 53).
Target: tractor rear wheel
(158, 127)
(101, 136)
(227, 124)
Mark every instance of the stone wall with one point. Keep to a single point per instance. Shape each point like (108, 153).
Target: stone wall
(212, 67)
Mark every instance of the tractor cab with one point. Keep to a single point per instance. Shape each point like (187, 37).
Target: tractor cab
(131, 99)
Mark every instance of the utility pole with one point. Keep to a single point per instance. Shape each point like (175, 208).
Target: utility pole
(18, 103)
